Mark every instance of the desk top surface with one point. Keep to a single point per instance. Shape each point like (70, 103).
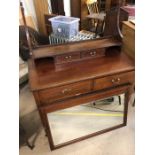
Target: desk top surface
(43, 75)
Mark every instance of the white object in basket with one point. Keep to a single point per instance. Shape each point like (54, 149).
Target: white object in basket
(64, 26)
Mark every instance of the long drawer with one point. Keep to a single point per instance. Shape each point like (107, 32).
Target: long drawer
(62, 92)
(113, 80)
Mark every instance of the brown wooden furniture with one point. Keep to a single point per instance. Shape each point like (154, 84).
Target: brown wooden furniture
(101, 4)
(92, 7)
(48, 23)
(113, 3)
(41, 8)
(113, 21)
(60, 77)
(128, 46)
(128, 32)
(95, 17)
(64, 76)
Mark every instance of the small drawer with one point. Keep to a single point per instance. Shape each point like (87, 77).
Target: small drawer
(62, 92)
(93, 53)
(113, 80)
(67, 58)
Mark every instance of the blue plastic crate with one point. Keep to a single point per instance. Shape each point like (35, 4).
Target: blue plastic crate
(64, 26)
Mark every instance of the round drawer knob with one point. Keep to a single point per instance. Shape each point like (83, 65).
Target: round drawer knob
(68, 57)
(93, 53)
(66, 91)
(118, 79)
(113, 80)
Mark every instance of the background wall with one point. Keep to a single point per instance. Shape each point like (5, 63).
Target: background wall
(30, 14)
(67, 6)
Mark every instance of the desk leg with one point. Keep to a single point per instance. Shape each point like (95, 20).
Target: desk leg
(44, 121)
(42, 117)
(127, 98)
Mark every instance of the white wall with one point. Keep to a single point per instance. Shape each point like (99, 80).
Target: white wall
(29, 10)
(67, 7)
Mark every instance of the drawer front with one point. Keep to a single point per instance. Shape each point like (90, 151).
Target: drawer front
(93, 53)
(113, 80)
(67, 57)
(62, 92)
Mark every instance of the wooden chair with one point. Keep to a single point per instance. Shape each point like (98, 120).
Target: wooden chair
(93, 9)
(96, 18)
(102, 5)
(92, 6)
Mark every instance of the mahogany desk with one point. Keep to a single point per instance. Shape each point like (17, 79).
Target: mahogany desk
(110, 72)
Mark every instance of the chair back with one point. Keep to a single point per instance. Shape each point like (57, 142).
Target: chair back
(92, 6)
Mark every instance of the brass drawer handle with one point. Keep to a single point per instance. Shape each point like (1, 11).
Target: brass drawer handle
(66, 90)
(68, 57)
(93, 53)
(116, 80)
(77, 94)
(113, 80)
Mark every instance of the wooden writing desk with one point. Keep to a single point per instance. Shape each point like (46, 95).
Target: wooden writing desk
(79, 73)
